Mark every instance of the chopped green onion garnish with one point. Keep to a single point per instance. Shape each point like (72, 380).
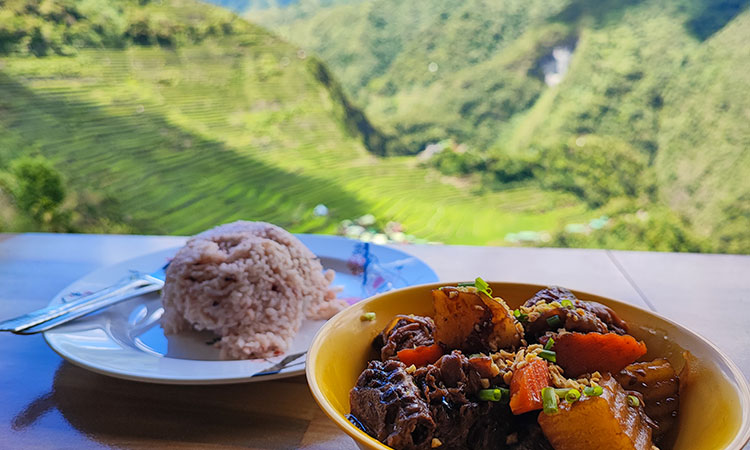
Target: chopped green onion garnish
(476, 355)
(549, 355)
(554, 322)
(550, 343)
(566, 303)
(633, 401)
(482, 286)
(549, 400)
(521, 317)
(568, 394)
(367, 317)
(493, 395)
(593, 391)
(572, 396)
(490, 395)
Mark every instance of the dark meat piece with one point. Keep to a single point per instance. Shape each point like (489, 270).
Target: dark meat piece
(500, 429)
(570, 319)
(491, 428)
(449, 387)
(584, 316)
(463, 422)
(406, 332)
(387, 403)
(452, 377)
(605, 314)
(528, 433)
(437, 401)
(549, 295)
(484, 365)
(659, 385)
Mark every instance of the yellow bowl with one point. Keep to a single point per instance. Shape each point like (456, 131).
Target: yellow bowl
(714, 407)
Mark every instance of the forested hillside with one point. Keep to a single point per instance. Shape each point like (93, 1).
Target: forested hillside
(174, 116)
(703, 161)
(638, 108)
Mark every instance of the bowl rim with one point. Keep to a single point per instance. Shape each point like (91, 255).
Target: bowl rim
(360, 437)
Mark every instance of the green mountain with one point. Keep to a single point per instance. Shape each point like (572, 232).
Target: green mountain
(174, 116)
(656, 91)
(704, 144)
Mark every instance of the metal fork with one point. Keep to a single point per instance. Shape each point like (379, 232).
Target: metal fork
(281, 365)
(137, 283)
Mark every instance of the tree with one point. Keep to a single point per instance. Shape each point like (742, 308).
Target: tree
(595, 168)
(37, 188)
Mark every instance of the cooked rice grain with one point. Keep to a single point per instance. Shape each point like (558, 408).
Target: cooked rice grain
(251, 283)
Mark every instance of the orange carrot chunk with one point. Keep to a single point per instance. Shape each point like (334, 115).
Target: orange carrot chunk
(420, 356)
(579, 353)
(526, 386)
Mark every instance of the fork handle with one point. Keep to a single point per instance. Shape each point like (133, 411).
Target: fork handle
(42, 315)
(90, 307)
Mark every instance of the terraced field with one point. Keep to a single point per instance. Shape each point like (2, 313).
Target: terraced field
(240, 128)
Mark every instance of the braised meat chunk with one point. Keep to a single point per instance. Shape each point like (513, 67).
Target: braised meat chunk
(452, 378)
(526, 434)
(465, 422)
(387, 403)
(572, 314)
(549, 295)
(450, 386)
(404, 332)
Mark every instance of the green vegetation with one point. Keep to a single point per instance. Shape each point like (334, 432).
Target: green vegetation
(353, 119)
(33, 197)
(382, 52)
(37, 189)
(496, 170)
(657, 90)
(175, 139)
(703, 163)
(596, 169)
(173, 116)
(63, 26)
(631, 227)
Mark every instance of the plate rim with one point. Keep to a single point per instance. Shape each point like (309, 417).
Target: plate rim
(132, 375)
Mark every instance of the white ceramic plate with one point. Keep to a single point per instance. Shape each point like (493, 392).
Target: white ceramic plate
(127, 341)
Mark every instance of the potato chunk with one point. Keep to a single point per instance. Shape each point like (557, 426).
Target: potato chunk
(606, 421)
(658, 383)
(473, 322)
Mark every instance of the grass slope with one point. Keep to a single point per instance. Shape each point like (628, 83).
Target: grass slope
(704, 124)
(666, 79)
(381, 50)
(193, 135)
